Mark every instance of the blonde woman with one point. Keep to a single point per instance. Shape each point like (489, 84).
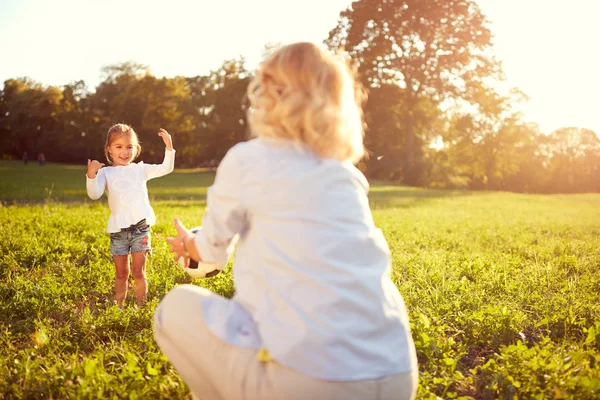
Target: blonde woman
(315, 314)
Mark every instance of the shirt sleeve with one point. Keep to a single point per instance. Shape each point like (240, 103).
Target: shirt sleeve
(95, 187)
(225, 217)
(158, 170)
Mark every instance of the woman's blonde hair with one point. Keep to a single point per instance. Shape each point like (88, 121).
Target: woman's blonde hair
(122, 130)
(305, 94)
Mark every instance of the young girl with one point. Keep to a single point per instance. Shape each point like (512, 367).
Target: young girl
(131, 213)
(315, 314)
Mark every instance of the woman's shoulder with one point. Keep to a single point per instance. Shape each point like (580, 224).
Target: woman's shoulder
(266, 144)
(244, 147)
(274, 152)
(243, 151)
(350, 172)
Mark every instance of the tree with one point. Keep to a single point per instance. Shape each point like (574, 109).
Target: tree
(573, 160)
(485, 147)
(31, 115)
(72, 143)
(434, 49)
(130, 94)
(219, 112)
(112, 73)
(168, 106)
(384, 116)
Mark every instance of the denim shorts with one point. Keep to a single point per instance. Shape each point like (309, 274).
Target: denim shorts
(132, 239)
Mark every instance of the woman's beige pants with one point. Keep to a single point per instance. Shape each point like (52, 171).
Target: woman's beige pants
(214, 369)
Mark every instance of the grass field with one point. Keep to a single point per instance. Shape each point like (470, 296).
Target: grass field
(503, 290)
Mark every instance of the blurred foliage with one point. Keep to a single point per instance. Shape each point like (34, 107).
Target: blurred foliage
(434, 115)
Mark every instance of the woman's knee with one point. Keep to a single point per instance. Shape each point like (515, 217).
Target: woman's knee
(185, 295)
(176, 304)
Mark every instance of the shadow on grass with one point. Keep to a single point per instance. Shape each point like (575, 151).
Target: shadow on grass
(66, 184)
(58, 183)
(383, 195)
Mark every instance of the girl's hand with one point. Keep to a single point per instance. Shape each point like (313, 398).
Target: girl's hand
(166, 138)
(93, 168)
(177, 243)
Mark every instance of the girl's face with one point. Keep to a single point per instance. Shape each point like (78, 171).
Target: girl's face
(121, 150)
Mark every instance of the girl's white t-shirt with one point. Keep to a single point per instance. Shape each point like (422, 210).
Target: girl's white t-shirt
(312, 272)
(127, 192)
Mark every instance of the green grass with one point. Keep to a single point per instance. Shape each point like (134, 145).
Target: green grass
(20, 183)
(503, 290)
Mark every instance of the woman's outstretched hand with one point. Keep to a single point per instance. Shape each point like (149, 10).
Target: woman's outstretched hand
(177, 243)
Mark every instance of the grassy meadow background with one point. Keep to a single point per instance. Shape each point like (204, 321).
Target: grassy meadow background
(502, 289)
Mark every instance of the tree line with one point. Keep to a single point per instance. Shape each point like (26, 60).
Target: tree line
(434, 114)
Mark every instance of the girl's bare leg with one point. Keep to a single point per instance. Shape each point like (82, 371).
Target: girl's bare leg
(138, 261)
(122, 273)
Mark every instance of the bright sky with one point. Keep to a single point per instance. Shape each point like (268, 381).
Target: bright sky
(548, 48)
